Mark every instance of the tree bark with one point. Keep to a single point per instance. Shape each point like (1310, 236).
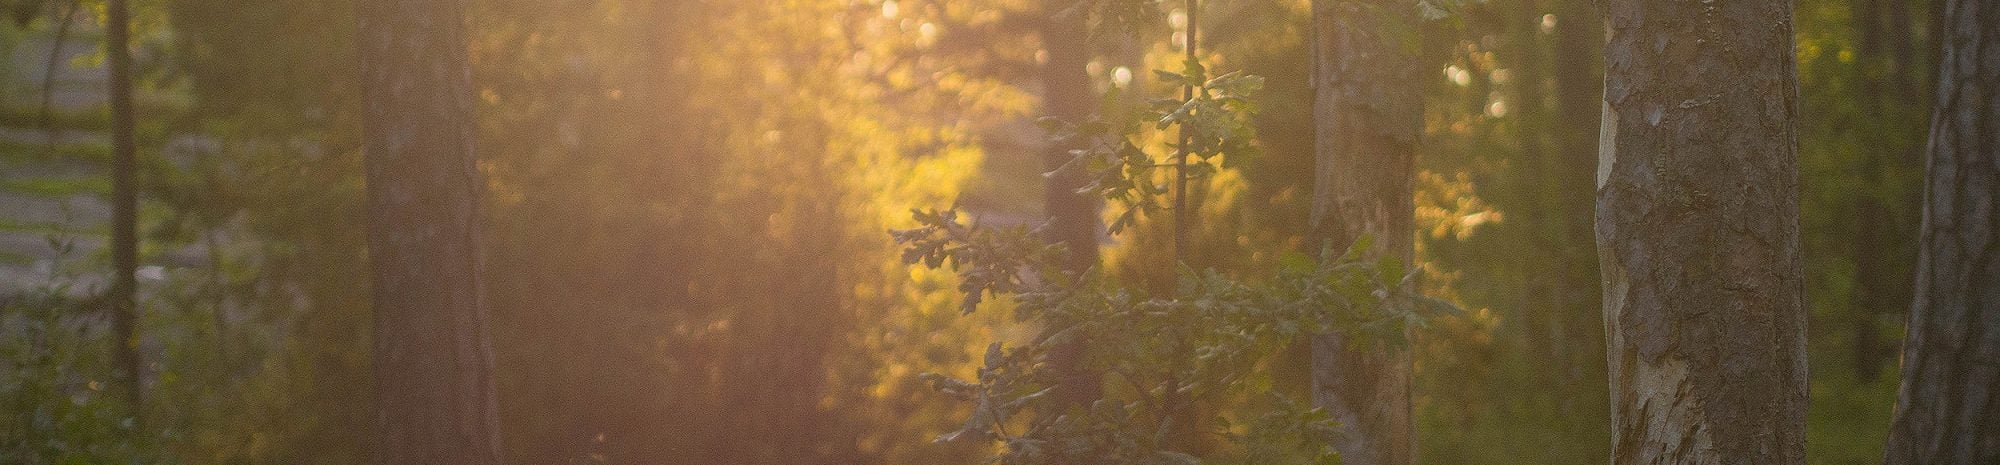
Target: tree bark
(1947, 407)
(433, 359)
(124, 207)
(1073, 217)
(1367, 111)
(1697, 232)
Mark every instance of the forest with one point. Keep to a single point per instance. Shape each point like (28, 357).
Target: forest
(1021, 232)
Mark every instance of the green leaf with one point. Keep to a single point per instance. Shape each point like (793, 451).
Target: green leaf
(1389, 271)
(994, 357)
(1196, 73)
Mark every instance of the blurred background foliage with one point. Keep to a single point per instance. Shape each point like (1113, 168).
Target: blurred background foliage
(687, 259)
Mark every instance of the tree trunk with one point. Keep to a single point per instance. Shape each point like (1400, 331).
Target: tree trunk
(1067, 95)
(1073, 217)
(124, 206)
(1697, 232)
(1579, 91)
(1868, 253)
(433, 360)
(1881, 67)
(1871, 287)
(1948, 409)
(1367, 111)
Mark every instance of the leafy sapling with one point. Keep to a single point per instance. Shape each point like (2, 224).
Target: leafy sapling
(1202, 348)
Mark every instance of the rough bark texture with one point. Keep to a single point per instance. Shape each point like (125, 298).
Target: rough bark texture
(1367, 109)
(1697, 232)
(124, 206)
(433, 361)
(1948, 410)
(1073, 218)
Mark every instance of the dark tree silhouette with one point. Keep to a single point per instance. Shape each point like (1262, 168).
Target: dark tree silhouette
(1947, 407)
(124, 205)
(1073, 216)
(433, 361)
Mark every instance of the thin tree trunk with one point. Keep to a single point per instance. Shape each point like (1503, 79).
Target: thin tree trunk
(64, 21)
(1578, 95)
(1697, 232)
(1367, 110)
(1073, 217)
(1869, 287)
(433, 360)
(1067, 94)
(1902, 49)
(124, 206)
(1539, 181)
(1878, 285)
(1872, 287)
(1948, 409)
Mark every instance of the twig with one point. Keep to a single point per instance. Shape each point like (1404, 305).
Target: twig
(49, 73)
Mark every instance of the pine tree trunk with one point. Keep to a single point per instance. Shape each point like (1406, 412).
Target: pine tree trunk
(1067, 95)
(1367, 110)
(124, 206)
(1073, 217)
(433, 360)
(1697, 232)
(1948, 410)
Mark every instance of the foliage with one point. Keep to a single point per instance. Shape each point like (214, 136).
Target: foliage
(680, 194)
(1202, 346)
(685, 195)
(54, 374)
(59, 410)
(1211, 123)
(1211, 341)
